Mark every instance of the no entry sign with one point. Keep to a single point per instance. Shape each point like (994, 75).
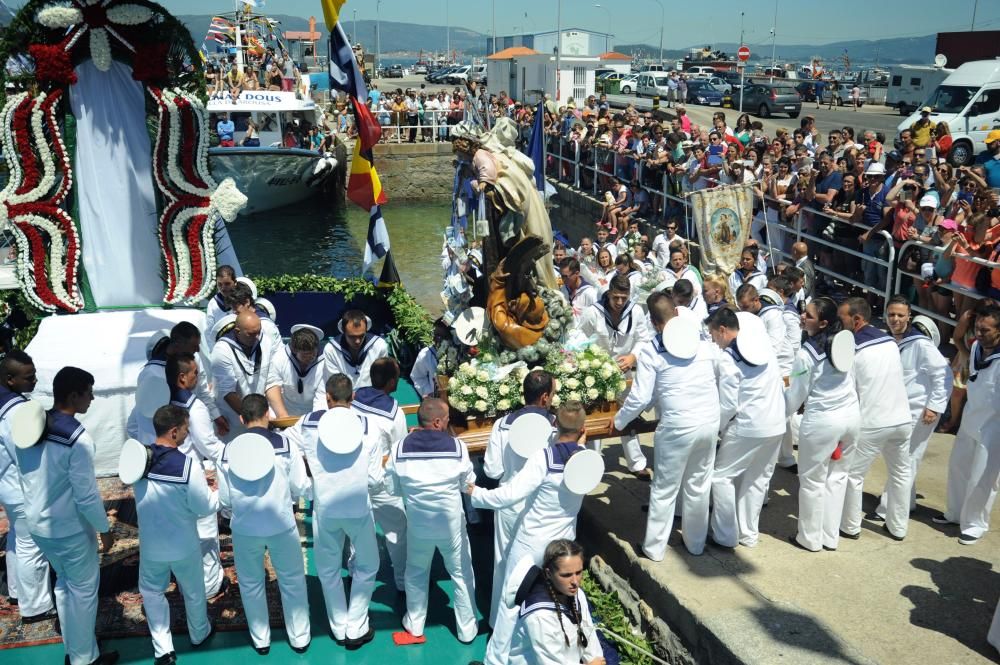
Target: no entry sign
(743, 54)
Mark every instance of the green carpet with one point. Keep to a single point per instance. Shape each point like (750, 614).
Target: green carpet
(405, 395)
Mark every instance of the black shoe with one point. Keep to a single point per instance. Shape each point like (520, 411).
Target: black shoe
(829, 549)
(223, 588)
(302, 649)
(263, 651)
(941, 519)
(211, 634)
(850, 536)
(106, 658)
(898, 539)
(13, 602)
(793, 469)
(795, 541)
(166, 659)
(359, 642)
(38, 618)
(968, 540)
(874, 517)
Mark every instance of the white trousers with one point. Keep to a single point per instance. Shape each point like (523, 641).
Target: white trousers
(504, 523)
(894, 445)
(289, 568)
(823, 481)
(743, 468)
(684, 460)
(78, 574)
(347, 620)
(391, 516)
(505, 621)
(919, 439)
(154, 578)
(786, 456)
(211, 560)
(635, 460)
(27, 569)
(457, 556)
(973, 479)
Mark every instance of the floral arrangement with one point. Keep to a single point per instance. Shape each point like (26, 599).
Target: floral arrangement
(590, 376)
(485, 389)
(102, 18)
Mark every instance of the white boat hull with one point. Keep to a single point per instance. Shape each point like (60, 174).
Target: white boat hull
(269, 177)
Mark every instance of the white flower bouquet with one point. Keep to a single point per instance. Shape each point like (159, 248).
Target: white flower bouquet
(483, 389)
(589, 375)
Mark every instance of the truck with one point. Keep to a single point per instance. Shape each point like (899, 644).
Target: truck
(969, 101)
(911, 85)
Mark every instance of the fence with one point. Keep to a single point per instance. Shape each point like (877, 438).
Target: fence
(830, 238)
(906, 278)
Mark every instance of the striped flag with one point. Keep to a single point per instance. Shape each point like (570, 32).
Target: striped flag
(344, 72)
(377, 245)
(364, 187)
(331, 12)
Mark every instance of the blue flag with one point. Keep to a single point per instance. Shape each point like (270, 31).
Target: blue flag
(536, 146)
(345, 74)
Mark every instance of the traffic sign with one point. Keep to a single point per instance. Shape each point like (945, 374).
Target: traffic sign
(743, 54)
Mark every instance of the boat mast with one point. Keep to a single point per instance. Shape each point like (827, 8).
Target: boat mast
(239, 39)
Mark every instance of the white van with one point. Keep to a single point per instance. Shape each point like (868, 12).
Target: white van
(910, 85)
(701, 71)
(969, 101)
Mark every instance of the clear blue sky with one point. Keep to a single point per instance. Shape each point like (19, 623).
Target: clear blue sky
(637, 21)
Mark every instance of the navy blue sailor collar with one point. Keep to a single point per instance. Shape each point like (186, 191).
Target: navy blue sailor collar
(812, 346)
(911, 335)
(62, 428)
(531, 408)
(979, 363)
(169, 465)
(734, 353)
(427, 444)
(220, 302)
(182, 397)
(9, 399)
(712, 307)
(626, 317)
(375, 401)
(557, 454)
(340, 343)
(539, 599)
(278, 442)
(871, 336)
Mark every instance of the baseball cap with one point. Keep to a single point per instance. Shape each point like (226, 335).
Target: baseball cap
(928, 201)
(926, 109)
(949, 225)
(895, 155)
(993, 136)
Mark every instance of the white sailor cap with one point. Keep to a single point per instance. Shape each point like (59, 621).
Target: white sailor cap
(249, 283)
(583, 472)
(320, 335)
(154, 340)
(340, 431)
(134, 461)
(681, 336)
(268, 307)
(752, 341)
(530, 433)
(250, 456)
(927, 326)
(840, 350)
(27, 424)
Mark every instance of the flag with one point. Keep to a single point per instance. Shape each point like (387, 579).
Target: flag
(344, 72)
(390, 275)
(377, 243)
(369, 131)
(536, 147)
(331, 12)
(363, 186)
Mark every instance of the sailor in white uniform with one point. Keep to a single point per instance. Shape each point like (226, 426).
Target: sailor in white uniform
(689, 303)
(387, 423)
(678, 268)
(885, 422)
(769, 307)
(300, 366)
(752, 422)
(928, 378)
(260, 494)
(747, 273)
(550, 512)
(342, 452)
(554, 625)
(201, 445)
(625, 266)
(225, 280)
(27, 570)
(428, 469)
(353, 351)
(683, 384)
(170, 497)
(792, 319)
(64, 511)
(579, 294)
(242, 364)
(424, 374)
(830, 421)
(243, 298)
(502, 463)
(621, 329)
(974, 465)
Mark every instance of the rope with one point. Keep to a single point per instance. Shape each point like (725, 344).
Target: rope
(604, 628)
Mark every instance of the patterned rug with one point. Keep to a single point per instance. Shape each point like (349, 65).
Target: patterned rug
(119, 611)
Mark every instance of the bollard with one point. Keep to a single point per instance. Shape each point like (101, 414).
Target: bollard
(656, 102)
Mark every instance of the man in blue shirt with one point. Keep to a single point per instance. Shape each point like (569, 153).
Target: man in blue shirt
(990, 159)
(873, 209)
(226, 129)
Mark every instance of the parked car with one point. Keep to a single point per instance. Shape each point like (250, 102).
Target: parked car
(769, 98)
(460, 75)
(394, 72)
(628, 84)
(806, 91)
(704, 93)
(651, 84)
(720, 84)
(438, 75)
(420, 69)
(700, 70)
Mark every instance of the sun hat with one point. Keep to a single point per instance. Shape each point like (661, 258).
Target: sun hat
(928, 201)
(875, 168)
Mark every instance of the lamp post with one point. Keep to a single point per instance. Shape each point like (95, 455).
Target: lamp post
(663, 18)
(607, 35)
(774, 36)
(378, 36)
(354, 36)
(447, 28)
(555, 97)
(494, 28)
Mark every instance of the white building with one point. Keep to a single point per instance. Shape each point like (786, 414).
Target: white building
(575, 42)
(526, 75)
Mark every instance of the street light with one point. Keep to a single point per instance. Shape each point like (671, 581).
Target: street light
(662, 20)
(774, 36)
(607, 34)
(378, 36)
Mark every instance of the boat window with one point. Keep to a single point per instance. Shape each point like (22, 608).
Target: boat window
(951, 98)
(267, 122)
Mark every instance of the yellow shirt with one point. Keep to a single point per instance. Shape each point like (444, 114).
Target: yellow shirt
(923, 133)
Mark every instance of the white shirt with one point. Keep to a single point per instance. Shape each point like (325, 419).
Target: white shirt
(582, 298)
(58, 481)
(341, 484)
(623, 339)
(201, 443)
(750, 396)
(777, 331)
(214, 311)
(429, 470)
(299, 385)
(757, 278)
(424, 372)
(878, 378)
(500, 461)
(793, 338)
(926, 373)
(982, 392)
(385, 419)
(234, 371)
(337, 359)
(687, 272)
(10, 477)
(816, 382)
(539, 638)
(169, 500)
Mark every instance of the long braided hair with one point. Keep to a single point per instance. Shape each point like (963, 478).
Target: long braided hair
(556, 550)
(826, 310)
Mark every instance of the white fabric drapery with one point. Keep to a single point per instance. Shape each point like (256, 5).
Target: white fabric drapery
(114, 187)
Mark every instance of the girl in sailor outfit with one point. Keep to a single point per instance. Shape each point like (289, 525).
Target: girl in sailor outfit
(928, 378)
(830, 422)
(551, 512)
(63, 508)
(885, 422)
(554, 625)
(27, 570)
(601, 276)
(225, 280)
(682, 381)
(262, 473)
(387, 422)
(747, 273)
(341, 450)
(171, 495)
(620, 329)
(974, 465)
(502, 462)
(625, 266)
(354, 350)
(428, 469)
(300, 368)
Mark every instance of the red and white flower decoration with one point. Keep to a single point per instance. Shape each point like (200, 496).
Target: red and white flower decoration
(99, 18)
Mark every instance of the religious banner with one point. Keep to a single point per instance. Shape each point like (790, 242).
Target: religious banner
(722, 218)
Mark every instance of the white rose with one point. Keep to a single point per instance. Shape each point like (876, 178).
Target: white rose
(481, 392)
(593, 394)
(460, 405)
(565, 368)
(573, 396)
(606, 372)
(589, 382)
(572, 383)
(453, 383)
(480, 405)
(466, 390)
(556, 385)
(504, 389)
(503, 404)
(482, 377)
(556, 401)
(584, 364)
(610, 395)
(466, 370)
